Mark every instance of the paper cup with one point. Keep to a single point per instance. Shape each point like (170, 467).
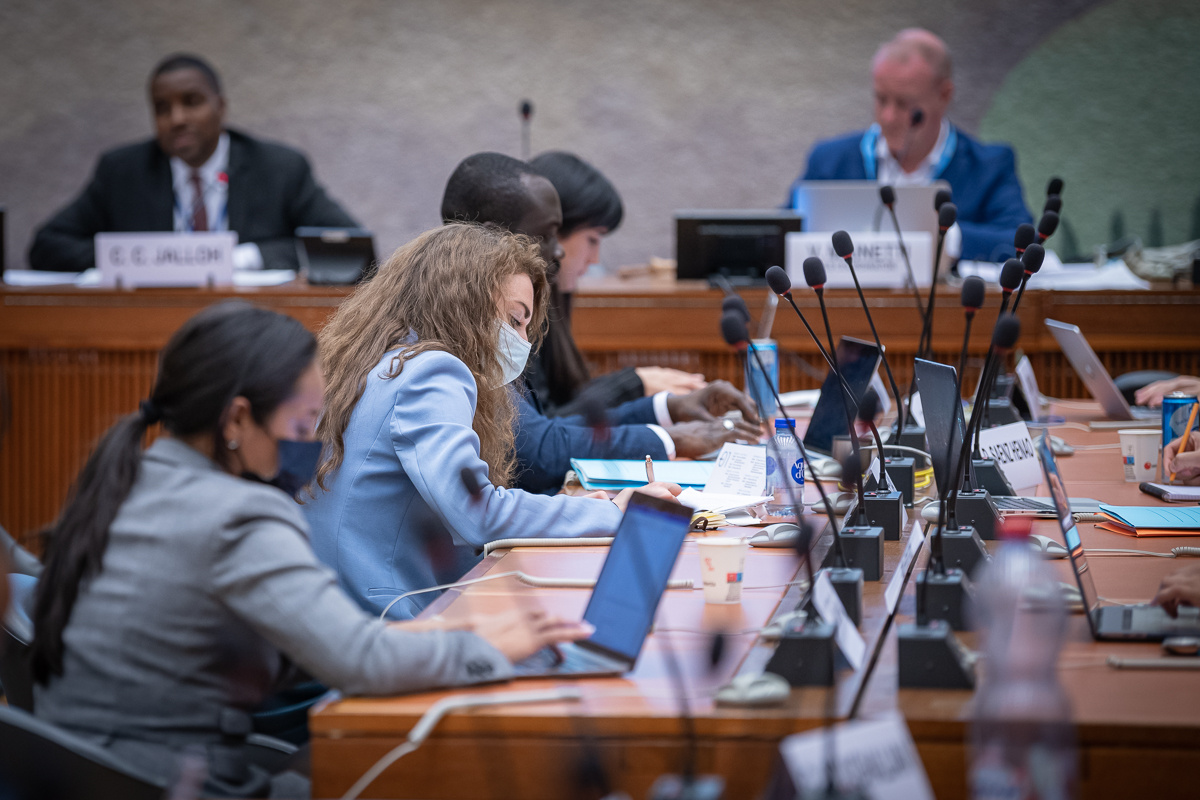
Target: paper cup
(1139, 454)
(722, 561)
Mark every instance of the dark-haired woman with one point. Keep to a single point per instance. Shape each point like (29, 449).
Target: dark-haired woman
(177, 580)
(558, 374)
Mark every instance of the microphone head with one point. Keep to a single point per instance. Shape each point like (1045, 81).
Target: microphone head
(1053, 203)
(1032, 258)
(887, 195)
(940, 199)
(526, 109)
(1024, 236)
(1055, 186)
(843, 245)
(733, 329)
(1047, 225)
(947, 215)
(973, 292)
(1007, 331)
(868, 407)
(1011, 274)
(778, 280)
(918, 116)
(814, 272)
(735, 304)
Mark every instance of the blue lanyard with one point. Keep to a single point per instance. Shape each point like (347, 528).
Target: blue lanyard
(870, 140)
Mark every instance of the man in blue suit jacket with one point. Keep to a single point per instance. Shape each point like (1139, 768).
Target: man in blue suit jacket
(912, 143)
(498, 189)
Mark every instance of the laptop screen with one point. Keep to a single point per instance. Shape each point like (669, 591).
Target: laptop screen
(858, 361)
(937, 385)
(1062, 510)
(635, 574)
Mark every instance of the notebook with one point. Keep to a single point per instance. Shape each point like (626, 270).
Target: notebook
(617, 474)
(1147, 521)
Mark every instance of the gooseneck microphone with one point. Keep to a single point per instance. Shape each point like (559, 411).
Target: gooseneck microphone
(1011, 276)
(1055, 186)
(941, 197)
(843, 245)
(735, 303)
(525, 109)
(1025, 236)
(973, 292)
(1053, 203)
(887, 196)
(1031, 262)
(734, 331)
(1047, 225)
(947, 216)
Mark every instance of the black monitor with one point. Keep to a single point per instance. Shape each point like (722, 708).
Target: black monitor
(335, 256)
(737, 245)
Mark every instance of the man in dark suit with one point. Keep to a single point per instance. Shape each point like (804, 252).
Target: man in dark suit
(912, 143)
(195, 175)
(495, 188)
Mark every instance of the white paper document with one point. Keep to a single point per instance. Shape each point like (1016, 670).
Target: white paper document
(740, 469)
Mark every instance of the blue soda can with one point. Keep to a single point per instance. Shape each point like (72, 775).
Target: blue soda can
(759, 386)
(1176, 408)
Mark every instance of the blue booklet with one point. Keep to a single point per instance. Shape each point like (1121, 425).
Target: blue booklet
(617, 474)
(1155, 517)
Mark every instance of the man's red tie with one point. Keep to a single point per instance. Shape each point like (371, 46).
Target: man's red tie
(199, 211)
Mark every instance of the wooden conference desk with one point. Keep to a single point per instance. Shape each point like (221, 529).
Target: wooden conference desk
(75, 359)
(1138, 731)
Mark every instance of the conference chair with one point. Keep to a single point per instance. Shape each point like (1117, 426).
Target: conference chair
(38, 760)
(16, 636)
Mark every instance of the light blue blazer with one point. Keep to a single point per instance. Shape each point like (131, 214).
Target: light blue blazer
(398, 500)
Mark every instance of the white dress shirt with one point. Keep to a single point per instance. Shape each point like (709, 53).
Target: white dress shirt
(214, 184)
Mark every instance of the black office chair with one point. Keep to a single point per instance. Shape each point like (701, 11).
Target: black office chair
(38, 760)
(16, 636)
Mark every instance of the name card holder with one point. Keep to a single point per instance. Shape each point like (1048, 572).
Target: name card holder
(131, 260)
(877, 259)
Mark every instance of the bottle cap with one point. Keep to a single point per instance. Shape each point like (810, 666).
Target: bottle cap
(781, 424)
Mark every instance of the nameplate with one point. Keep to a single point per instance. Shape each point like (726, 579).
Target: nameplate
(129, 260)
(832, 611)
(877, 259)
(876, 757)
(1011, 447)
(891, 595)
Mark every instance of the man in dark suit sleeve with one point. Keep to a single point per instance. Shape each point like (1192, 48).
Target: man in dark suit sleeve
(261, 190)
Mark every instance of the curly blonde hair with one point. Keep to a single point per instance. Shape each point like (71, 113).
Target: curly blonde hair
(445, 287)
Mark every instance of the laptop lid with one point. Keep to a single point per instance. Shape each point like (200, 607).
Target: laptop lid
(635, 574)
(945, 423)
(1087, 365)
(1062, 510)
(335, 256)
(740, 245)
(857, 361)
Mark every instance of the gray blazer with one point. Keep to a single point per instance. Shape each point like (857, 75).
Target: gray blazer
(207, 579)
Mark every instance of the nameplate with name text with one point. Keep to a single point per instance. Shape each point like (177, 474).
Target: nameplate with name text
(129, 260)
(878, 260)
(1011, 447)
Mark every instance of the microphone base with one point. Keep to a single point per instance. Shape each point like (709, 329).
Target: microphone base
(931, 657)
(848, 583)
(806, 657)
(1001, 412)
(863, 547)
(903, 472)
(1002, 385)
(886, 510)
(963, 549)
(979, 511)
(913, 435)
(698, 787)
(946, 596)
(989, 476)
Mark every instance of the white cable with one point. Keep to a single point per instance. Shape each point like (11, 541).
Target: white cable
(1087, 404)
(1113, 551)
(901, 448)
(503, 544)
(433, 716)
(1078, 447)
(528, 580)
(1076, 425)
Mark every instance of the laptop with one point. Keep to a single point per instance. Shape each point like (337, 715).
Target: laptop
(1134, 622)
(335, 256)
(945, 425)
(858, 361)
(626, 596)
(1095, 377)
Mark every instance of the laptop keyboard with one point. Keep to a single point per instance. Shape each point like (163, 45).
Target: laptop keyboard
(574, 659)
(1013, 503)
(1147, 617)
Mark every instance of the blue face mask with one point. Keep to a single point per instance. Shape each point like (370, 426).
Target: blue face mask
(298, 463)
(513, 354)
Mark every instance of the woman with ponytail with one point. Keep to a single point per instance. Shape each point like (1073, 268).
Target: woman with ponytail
(179, 577)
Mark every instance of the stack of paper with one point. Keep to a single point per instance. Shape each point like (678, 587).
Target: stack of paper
(1151, 520)
(618, 474)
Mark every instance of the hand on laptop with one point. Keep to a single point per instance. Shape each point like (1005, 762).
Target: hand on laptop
(1151, 394)
(520, 634)
(1181, 587)
(1185, 465)
(659, 489)
(715, 399)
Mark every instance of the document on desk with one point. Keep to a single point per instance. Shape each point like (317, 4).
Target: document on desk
(875, 756)
(719, 503)
(617, 474)
(1151, 520)
(891, 595)
(740, 469)
(830, 607)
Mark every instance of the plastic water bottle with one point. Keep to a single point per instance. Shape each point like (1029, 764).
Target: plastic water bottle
(1022, 742)
(781, 476)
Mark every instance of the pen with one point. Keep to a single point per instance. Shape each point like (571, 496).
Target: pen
(1187, 436)
(650, 470)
